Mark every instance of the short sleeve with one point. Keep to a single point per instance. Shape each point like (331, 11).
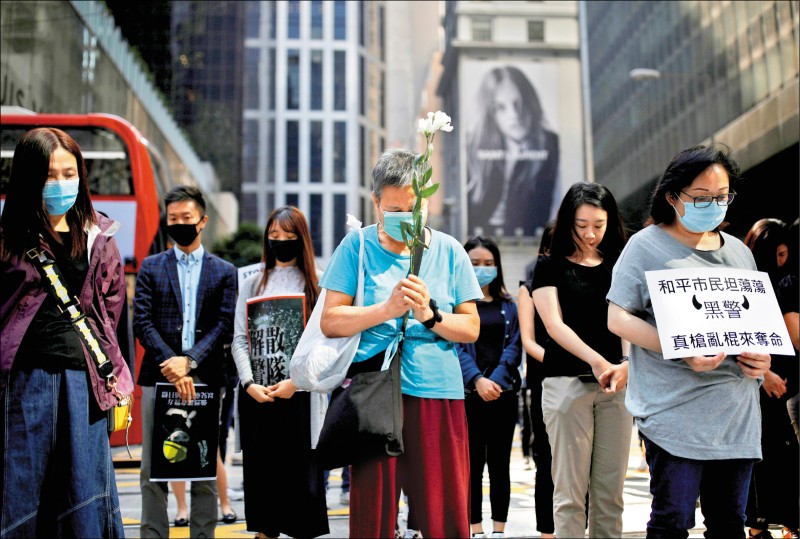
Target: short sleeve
(467, 287)
(341, 274)
(544, 274)
(628, 282)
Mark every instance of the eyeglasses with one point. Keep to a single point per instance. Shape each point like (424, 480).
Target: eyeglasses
(706, 200)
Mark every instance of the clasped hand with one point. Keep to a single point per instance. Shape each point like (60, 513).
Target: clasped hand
(487, 389)
(176, 370)
(282, 390)
(612, 378)
(752, 364)
(411, 294)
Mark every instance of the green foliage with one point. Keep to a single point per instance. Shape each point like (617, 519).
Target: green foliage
(243, 247)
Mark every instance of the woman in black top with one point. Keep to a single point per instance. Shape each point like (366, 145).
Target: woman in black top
(490, 368)
(583, 397)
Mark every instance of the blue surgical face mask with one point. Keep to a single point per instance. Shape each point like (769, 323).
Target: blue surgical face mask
(392, 221)
(60, 195)
(485, 274)
(700, 220)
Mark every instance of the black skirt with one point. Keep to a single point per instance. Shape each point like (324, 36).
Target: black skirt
(284, 489)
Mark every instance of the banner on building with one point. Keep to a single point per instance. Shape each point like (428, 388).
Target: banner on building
(704, 311)
(185, 435)
(512, 144)
(274, 326)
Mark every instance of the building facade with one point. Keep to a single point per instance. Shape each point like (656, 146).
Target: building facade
(511, 81)
(314, 111)
(716, 70)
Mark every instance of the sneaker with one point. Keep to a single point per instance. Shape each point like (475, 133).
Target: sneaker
(235, 495)
(642, 465)
(481, 534)
(498, 534)
(412, 534)
(344, 499)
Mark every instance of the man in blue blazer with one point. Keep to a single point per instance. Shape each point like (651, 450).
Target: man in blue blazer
(183, 316)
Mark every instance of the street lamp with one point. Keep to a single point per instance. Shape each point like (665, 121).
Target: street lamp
(646, 73)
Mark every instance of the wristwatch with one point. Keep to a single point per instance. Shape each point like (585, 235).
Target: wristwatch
(192, 363)
(437, 316)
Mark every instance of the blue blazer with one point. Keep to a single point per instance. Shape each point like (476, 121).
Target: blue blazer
(158, 316)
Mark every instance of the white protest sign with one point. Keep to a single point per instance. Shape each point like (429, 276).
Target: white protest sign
(704, 311)
(246, 271)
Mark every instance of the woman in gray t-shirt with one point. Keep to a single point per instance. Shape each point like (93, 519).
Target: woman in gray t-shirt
(699, 416)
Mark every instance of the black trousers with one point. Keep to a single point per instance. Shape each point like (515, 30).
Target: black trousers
(543, 458)
(491, 433)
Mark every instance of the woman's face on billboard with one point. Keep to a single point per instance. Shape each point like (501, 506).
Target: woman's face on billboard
(509, 111)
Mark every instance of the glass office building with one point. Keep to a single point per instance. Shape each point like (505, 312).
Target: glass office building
(726, 71)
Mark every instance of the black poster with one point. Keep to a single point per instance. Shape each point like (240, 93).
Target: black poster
(185, 435)
(274, 326)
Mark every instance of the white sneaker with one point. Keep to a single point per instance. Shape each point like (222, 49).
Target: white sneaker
(235, 495)
(481, 535)
(412, 534)
(497, 534)
(344, 499)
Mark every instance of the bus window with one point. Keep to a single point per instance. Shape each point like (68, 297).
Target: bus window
(106, 157)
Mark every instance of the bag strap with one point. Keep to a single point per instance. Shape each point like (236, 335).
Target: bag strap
(69, 306)
(359, 299)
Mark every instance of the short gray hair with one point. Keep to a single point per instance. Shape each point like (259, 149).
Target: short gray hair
(395, 168)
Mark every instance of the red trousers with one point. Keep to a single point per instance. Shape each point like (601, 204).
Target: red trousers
(433, 472)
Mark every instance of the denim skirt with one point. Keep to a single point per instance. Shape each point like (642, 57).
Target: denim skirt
(57, 475)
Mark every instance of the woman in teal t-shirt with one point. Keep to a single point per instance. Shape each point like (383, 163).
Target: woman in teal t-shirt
(434, 470)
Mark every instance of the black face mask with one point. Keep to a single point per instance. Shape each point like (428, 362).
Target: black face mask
(183, 234)
(286, 250)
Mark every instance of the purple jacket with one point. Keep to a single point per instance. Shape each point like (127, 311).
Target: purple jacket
(102, 299)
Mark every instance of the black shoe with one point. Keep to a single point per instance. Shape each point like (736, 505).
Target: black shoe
(181, 522)
(230, 518)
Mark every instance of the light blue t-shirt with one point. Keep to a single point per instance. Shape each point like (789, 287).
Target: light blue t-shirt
(430, 367)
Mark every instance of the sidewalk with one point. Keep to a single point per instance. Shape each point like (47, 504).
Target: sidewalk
(521, 516)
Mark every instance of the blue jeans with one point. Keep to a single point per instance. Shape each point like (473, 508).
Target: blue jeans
(675, 484)
(58, 479)
(345, 479)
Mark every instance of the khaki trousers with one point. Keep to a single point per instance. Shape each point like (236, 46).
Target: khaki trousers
(590, 437)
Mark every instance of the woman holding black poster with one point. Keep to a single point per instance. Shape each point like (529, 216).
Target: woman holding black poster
(284, 490)
(513, 157)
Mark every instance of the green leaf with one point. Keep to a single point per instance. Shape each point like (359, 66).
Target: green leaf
(427, 176)
(415, 184)
(429, 191)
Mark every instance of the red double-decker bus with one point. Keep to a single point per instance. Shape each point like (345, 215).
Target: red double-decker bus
(127, 178)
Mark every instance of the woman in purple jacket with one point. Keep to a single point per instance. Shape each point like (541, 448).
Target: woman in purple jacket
(57, 476)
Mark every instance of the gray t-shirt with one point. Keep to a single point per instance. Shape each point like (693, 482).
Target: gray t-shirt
(702, 416)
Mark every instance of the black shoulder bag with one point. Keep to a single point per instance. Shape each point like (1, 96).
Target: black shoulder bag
(365, 418)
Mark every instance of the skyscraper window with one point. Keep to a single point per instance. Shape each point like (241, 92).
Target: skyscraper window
(292, 151)
(316, 80)
(339, 80)
(293, 19)
(293, 79)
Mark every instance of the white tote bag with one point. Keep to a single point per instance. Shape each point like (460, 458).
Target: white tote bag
(320, 363)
